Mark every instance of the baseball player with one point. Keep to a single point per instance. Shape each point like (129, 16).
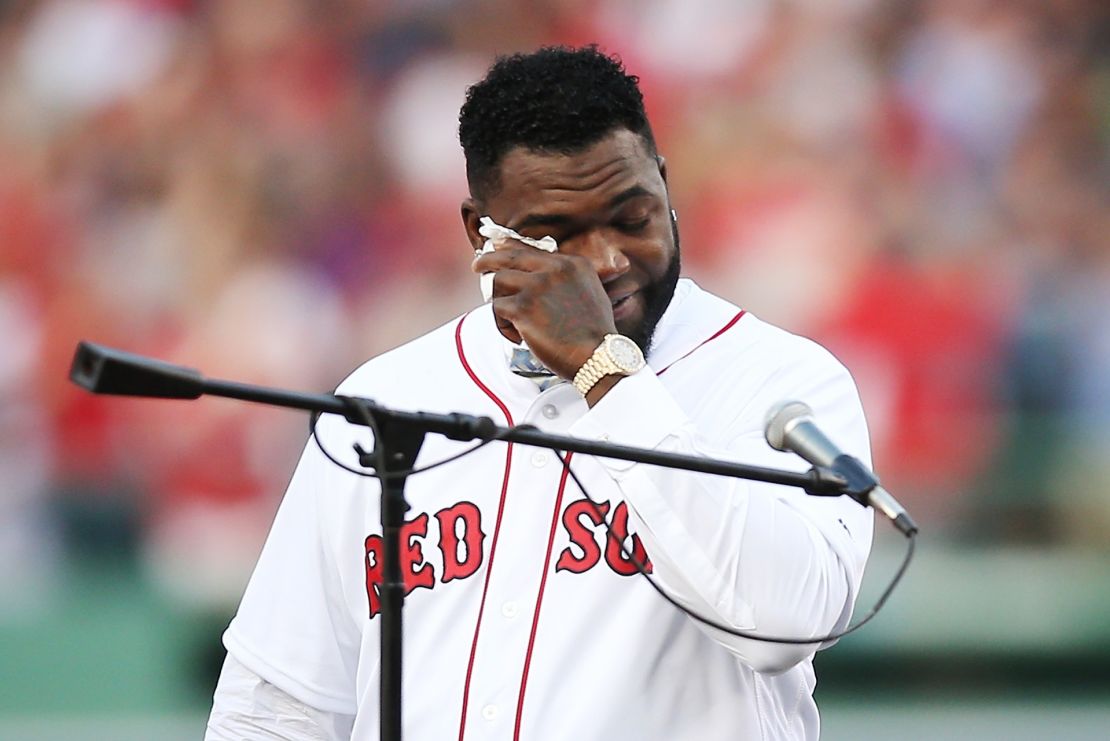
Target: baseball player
(526, 615)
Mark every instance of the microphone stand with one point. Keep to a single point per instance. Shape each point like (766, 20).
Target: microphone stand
(400, 435)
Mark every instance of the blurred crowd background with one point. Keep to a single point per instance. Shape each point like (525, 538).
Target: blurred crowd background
(268, 190)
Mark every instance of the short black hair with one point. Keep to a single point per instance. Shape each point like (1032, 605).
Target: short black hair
(557, 99)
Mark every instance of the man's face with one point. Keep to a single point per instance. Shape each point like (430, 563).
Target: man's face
(609, 204)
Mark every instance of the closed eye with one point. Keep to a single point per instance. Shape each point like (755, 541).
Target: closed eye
(633, 226)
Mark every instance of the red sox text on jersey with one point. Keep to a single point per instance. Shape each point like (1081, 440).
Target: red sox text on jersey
(461, 543)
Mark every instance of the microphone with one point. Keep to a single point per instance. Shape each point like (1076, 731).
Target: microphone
(789, 427)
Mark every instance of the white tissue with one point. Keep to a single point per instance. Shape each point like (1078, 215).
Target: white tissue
(494, 234)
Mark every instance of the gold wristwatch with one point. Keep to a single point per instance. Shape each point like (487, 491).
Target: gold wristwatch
(615, 354)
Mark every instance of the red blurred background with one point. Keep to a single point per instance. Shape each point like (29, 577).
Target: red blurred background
(268, 190)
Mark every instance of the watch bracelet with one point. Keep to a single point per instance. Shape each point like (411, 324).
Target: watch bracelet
(592, 371)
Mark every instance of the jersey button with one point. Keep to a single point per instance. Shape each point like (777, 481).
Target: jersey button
(489, 712)
(550, 411)
(540, 458)
(510, 610)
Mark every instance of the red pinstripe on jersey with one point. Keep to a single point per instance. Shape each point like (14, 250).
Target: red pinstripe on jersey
(551, 542)
(551, 536)
(497, 524)
(706, 341)
(539, 597)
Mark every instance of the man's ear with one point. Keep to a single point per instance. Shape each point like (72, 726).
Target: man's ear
(471, 214)
(662, 162)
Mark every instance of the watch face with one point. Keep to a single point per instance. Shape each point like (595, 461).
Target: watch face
(626, 354)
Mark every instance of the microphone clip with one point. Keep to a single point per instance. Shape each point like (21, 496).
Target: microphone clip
(825, 482)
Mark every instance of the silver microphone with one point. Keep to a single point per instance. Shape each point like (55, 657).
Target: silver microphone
(789, 427)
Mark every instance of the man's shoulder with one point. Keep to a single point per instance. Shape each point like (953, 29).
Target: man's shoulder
(745, 338)
(780, 346)
(734, 377)
(419, 361)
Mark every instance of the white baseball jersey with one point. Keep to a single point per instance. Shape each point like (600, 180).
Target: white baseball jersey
(522, 620)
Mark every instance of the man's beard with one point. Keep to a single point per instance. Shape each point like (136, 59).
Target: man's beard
(657, 297)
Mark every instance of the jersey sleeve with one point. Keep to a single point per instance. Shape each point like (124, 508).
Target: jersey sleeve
(247, 706)
(293, 628)
(762, 558)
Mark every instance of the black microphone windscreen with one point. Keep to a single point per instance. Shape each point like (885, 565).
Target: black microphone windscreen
(105, 370)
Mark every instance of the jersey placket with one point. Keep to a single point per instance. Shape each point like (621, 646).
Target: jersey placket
(513, 607)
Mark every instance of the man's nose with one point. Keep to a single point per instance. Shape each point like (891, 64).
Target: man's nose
(604, 252)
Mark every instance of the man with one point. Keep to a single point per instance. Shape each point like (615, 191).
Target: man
(524, 619)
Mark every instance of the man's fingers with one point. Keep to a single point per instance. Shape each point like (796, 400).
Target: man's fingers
(504, 309)
(511, 255)
(509, 282)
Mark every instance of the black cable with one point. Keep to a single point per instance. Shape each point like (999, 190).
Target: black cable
(368, 417)
(364, 411)
(371, 422)
(726, 628)
(313, 418)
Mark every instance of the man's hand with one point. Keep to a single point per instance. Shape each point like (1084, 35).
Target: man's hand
(554, 302)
